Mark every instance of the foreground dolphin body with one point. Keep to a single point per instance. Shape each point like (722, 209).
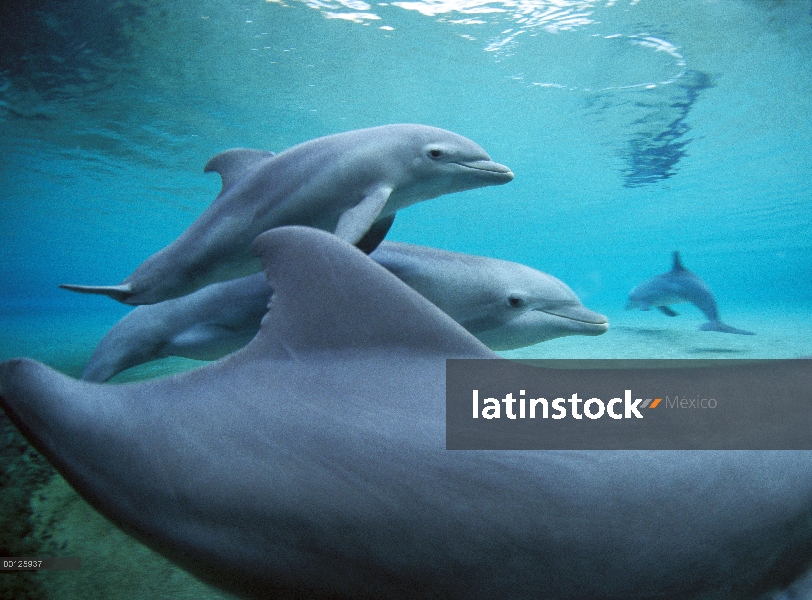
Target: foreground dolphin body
(312, 464)
(680, 285)
(350, 183)
(504, 304)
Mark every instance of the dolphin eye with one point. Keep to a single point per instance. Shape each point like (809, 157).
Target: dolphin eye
(435, 153)
(515, 301)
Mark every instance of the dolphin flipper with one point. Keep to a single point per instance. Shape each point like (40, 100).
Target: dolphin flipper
(375, 235)
(356, 221)
(722, 328)
(116, 292)
(112, 358)
(667, 311)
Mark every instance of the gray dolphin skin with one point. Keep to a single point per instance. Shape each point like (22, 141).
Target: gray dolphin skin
(312, 464)
(680, 285)
(350, 183)
(205, 325)
(504, 304)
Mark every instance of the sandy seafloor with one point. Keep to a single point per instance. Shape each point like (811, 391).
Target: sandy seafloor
(635, 334)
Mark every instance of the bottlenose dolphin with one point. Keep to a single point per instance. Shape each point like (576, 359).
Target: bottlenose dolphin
(205, 325)
(680, 285)
(504, 304)
(350, 183)
(312, 463)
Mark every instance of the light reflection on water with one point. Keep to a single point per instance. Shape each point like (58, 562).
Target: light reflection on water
(626, 59)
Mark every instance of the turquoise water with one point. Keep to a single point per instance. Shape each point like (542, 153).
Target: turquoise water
(634, 128)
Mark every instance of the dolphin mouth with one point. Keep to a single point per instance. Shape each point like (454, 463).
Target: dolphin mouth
(596, 321)
(488, 166)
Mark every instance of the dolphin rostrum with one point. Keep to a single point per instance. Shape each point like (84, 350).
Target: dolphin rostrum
(312, 464)
(680, 285)
(504, 304)
(349, 183)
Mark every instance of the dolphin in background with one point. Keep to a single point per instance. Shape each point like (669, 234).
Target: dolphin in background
(680, 285)
(350, 183)
(312, 464)
(504, 304)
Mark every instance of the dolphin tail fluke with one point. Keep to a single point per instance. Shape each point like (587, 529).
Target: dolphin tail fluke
(117, 292)
(722, 328)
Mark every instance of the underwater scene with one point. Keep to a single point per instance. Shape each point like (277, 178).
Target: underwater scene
(632, 177)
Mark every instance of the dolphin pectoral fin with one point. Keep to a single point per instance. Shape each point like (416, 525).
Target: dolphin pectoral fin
(354, 223)
(723, 328)
(116, 292)
(667, 311)
(375, 235)
(116, 353)
(233, 164)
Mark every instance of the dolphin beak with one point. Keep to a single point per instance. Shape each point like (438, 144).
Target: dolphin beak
(597, 323)
(500, 173)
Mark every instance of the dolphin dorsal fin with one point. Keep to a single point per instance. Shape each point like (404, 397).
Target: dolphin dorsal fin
(330, 296)
(677, 266)
(232, 165)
